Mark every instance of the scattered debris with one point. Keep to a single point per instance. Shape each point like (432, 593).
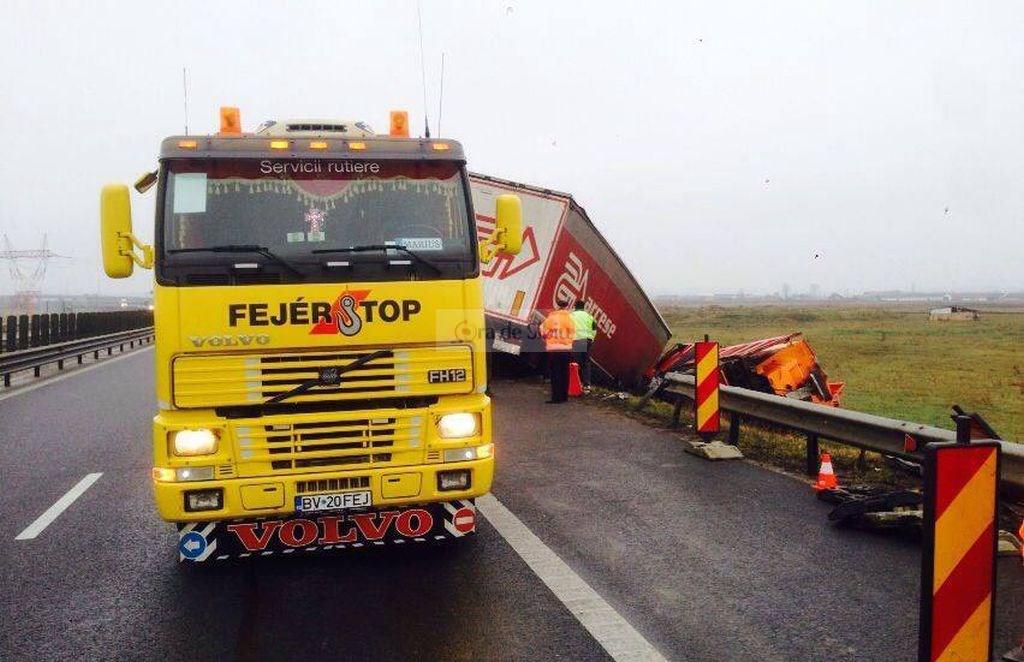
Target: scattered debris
(1015, 655)
(905, 466)
(1009, 544)
(784, 365)
(872, 507)
(713, 450)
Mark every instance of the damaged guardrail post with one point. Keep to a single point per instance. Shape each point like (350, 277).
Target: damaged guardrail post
(735, 421)
(958, 573)
(677, 412)
(813, 453)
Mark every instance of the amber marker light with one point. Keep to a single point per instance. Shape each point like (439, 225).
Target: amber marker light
(278, 144)
(399, 124)
(163, 474)
(318, 144)
(357, 145)
(439, 147)
(230, 120)
(188, 144)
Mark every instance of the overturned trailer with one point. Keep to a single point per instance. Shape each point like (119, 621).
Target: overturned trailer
(564, 259)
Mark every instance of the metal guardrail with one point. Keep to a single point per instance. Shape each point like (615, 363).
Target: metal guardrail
(852, 428)
(34, 359)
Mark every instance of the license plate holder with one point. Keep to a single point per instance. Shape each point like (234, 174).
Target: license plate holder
(316, 503)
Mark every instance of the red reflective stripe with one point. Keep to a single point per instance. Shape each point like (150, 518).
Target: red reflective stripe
(953, 471)
(710, 425)
(965, 588)
(707, 387)
(703, 349)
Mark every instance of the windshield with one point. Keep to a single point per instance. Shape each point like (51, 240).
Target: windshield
(286, 220)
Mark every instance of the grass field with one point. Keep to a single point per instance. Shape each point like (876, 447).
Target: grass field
(895, 362)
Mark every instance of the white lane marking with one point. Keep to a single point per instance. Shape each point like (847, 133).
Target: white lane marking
(54, 511)
(607, 626)
(46, 381)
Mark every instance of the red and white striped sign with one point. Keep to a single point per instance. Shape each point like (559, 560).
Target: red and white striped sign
(958, 565)
(708, 379)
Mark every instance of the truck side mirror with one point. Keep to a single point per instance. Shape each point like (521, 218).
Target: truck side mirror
(116, 238)
(508, 220)
(508, 228)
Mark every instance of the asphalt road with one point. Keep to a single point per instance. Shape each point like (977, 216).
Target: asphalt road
(707, 561)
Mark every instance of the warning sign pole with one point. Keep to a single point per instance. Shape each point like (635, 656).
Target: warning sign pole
(708, 377)
(959, 552)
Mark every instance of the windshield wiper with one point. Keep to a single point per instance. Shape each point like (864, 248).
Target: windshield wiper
(366, 248)
(328, 376)
(242, 248)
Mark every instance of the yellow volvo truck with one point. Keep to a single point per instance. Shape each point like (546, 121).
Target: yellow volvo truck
(320, 346)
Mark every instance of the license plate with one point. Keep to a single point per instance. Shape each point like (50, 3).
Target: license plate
(338, 501)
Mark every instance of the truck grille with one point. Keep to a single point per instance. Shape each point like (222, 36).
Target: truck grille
(218, 380)
(344, 441)
(331, 484)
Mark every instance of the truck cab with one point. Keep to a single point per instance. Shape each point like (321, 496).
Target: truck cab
(320, 339)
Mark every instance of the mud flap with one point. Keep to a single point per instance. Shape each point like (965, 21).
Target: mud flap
(219, 541)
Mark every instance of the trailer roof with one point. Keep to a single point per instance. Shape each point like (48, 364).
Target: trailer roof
(311, 147)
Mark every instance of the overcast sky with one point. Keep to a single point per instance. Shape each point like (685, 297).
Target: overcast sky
(718, 146)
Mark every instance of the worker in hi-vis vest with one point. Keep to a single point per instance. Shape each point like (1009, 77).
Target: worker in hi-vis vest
(586, 331)
(558, 332)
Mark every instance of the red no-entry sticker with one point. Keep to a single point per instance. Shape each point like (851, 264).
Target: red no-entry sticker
(464, 520)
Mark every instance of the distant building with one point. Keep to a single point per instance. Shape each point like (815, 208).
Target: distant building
(953, 314)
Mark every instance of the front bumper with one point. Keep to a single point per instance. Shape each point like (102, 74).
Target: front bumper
(274, 496)
(219, 541)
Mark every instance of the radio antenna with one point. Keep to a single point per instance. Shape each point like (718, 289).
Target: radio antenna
(440, 98)
(184, 86)
(423, 70)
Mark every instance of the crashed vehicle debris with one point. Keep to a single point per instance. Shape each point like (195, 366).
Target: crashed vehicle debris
(783, 365)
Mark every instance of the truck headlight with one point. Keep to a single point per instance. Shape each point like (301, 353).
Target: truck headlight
(456, 426)
(194, 442)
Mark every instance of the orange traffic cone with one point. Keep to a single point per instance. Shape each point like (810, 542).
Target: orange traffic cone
(826, 475)
(575, 385)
